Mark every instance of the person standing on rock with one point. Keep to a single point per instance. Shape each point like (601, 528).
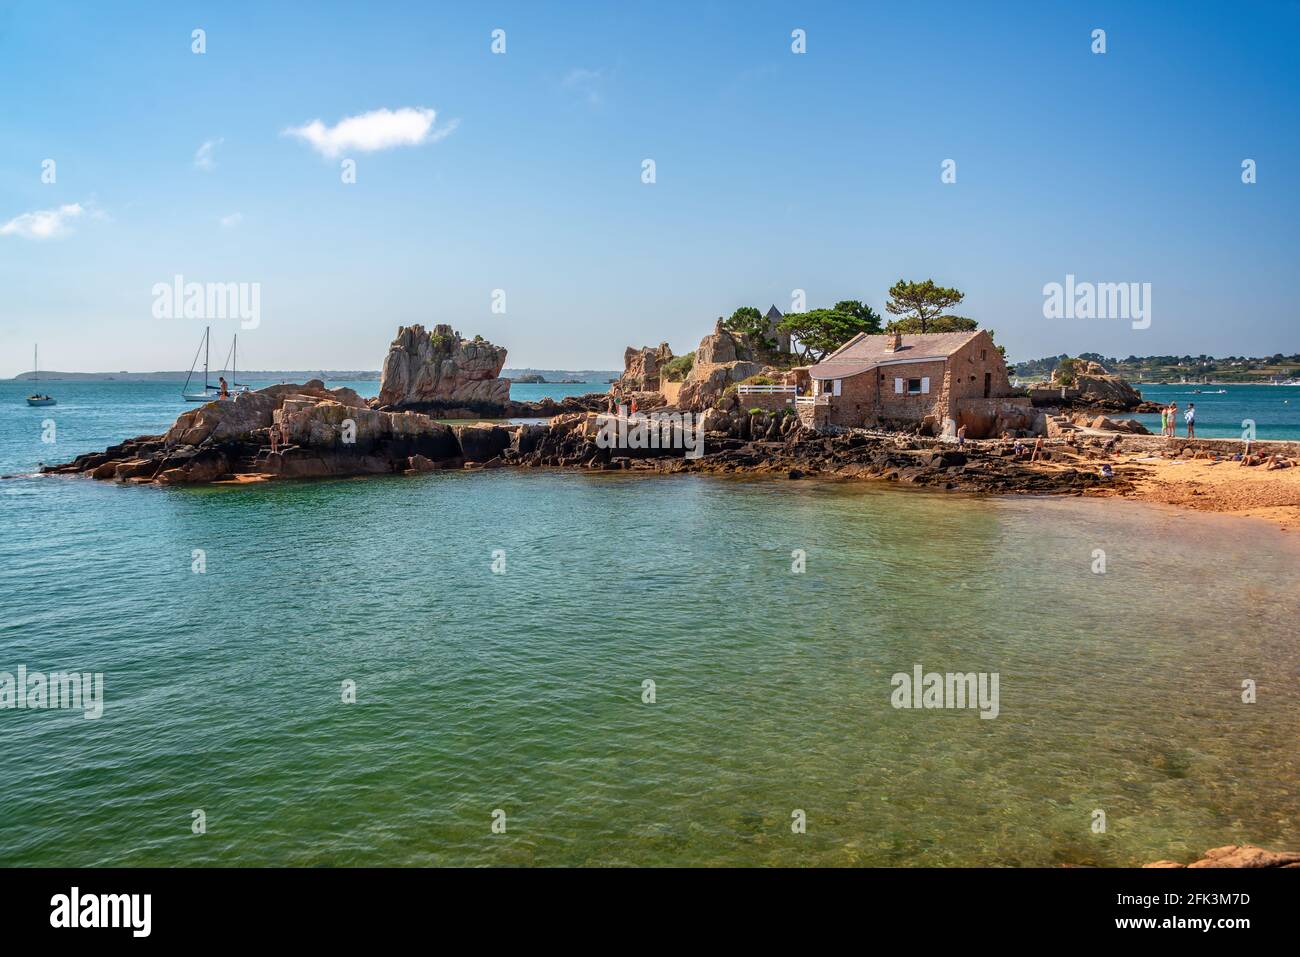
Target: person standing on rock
(1164, 420)
(1191, 420)
(1173, 419)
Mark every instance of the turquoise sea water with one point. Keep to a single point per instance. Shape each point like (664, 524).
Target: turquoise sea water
(523, 691)
(1274, 409)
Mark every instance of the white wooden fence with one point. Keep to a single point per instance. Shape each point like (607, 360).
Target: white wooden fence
(765, 389)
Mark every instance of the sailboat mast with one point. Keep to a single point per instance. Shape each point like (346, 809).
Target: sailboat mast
(234, 361)
(207, 333)
(36, 363)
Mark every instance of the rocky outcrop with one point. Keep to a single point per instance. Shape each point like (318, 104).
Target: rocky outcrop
(722, 359)
(706, 383)
(1238, 855)
(312, 432)
(1103, 390)
(723, 346)
(1093, 388)
(1128, 426)
(482, 442)
(441, 367)
(245, 413)
(643, 368)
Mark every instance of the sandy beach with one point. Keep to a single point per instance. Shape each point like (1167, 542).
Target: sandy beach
(1213, 486)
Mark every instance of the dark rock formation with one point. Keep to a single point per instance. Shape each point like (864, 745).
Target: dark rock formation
(310, 432)
(543, 408)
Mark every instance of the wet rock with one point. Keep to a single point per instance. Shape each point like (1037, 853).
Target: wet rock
(1238, 855)
(481, 443)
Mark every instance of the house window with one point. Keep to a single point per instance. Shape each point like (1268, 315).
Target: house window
(984, 354)
(919, 386)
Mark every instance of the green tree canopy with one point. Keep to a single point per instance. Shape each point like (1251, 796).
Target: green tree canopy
(861, 312)
(922, 301)
(748, 321)
(938, 324)
(820, 332)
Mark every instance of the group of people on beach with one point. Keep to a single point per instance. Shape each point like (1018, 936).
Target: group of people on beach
(1169, 420)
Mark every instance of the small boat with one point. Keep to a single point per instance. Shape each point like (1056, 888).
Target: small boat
(213, 393)
(39, 398)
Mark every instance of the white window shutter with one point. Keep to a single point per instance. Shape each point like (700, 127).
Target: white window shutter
(837, 386)
(899, 386)
(925, 384)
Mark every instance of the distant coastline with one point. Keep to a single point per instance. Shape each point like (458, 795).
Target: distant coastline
(300, 375)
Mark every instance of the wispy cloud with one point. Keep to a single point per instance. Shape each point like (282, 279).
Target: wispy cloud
(203, 156)
(44, 223)
(588, 84)
(377, 130)
(231, 221)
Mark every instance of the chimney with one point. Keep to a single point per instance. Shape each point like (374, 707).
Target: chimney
(895, 343)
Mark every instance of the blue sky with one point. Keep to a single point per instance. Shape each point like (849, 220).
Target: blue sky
(774, 171)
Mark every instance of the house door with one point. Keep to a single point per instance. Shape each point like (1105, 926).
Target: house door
(988, 384)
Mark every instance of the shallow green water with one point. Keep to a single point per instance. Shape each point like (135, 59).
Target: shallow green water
(522, 691)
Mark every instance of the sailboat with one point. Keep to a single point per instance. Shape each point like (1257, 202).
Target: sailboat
(38, 398)
(212, 393)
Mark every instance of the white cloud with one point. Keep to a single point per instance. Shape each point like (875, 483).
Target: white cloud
(203, 156)
(42, 224)
(377, 130)
(231, 221)
(588, 84)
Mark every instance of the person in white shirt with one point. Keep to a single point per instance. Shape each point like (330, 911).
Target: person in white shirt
(1190, 416)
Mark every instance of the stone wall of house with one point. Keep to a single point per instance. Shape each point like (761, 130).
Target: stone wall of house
(908, 409)
(967, 366)
(989, 418)
(855, 405)
(956, 383)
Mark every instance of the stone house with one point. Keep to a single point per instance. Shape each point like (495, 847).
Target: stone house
(939, 381)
